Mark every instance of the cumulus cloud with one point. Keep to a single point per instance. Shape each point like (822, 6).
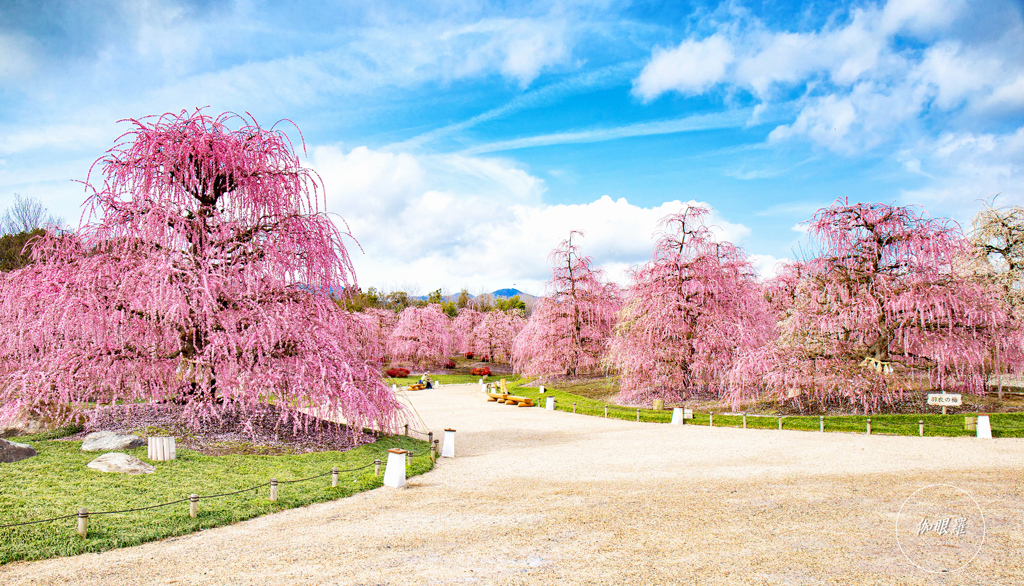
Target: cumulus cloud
(861, 75)
(690, 68)
(453, 221)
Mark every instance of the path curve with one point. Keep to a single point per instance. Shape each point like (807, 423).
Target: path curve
(545, 497)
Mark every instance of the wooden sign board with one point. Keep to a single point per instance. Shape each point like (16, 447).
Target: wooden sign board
(945, 399)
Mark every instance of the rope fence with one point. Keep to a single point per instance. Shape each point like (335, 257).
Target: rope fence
(193, 499)
(867, 425)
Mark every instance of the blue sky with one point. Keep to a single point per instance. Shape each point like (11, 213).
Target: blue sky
(461, 142)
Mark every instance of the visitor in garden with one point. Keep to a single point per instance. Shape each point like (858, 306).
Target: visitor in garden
(425, 380)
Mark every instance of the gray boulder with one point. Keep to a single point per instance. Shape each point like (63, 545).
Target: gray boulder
(108, 441)
(13, 451)
(119, 462)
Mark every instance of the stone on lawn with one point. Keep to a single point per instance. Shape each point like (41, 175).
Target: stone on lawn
(120, 462)
(13, 451)
(108, 441)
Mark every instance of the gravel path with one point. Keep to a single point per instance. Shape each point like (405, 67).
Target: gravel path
(541, 497)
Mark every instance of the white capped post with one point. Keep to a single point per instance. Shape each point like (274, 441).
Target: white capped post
(549, 403)
(448, 448)
(394, 473)
(677, 416)
(542, 391)
(984, 426)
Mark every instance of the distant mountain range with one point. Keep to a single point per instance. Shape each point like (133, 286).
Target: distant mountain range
(505, 293)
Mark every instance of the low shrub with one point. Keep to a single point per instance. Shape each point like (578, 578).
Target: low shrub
(485, 358)
(449, 364)
(469, 354)
(485, 371)
(395, 372)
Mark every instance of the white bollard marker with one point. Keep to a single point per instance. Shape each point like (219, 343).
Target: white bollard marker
(394, 473)
(394, 387)
(549, 403)
(448, 448)
(542, 389)
(984, 426)
(481, 381)
(677, 416)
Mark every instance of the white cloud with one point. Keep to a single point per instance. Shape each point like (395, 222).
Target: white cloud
(690, 68)
(967, 168)
(453, 221)
(860, 78)
(15, 56)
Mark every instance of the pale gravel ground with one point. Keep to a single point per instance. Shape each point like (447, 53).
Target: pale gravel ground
(541, 497)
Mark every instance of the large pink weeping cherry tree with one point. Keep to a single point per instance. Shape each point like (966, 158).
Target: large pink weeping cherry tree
(887, 307)
(422, 337)
(496, 332)
(689, 313)
(462, 329)
(206, 278)
(568, 332)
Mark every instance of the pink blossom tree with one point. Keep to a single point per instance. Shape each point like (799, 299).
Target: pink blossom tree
(569, 329)
(462, 329)
(887, 307)
(496, 333)
(688, 314)
(206, 278)
(422, 337)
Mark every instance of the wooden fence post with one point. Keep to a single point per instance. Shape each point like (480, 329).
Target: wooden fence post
(920, 427)
(744, 421)
(376, 467)
(869, 426)
(638, 415)
(193, 505)
(334, 477)
(273, 489)
(780, 423)
(574, 406)
(606, 411)
(821, 423)
(83, 522)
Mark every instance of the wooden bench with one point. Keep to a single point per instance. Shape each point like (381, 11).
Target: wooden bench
(417, 387)
(510, 399)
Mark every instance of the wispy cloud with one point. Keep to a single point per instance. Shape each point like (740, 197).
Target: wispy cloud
(539, 97)
(729, 119)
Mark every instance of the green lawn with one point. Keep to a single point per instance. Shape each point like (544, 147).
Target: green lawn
(1003, 424)
(56, 483)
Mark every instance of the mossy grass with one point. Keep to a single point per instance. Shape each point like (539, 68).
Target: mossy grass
(56, 482)
(1003, 424)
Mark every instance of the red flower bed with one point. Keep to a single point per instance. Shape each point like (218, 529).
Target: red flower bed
(485, 371)
(469, 354)
(485, 358)
(398, 372)
(449, 364)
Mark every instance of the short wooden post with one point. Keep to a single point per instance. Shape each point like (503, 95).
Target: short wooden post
(430, 439)
(869, 426)
(744, 421)
(780, 423)
(437, 447)
(193, 505)
(376, 467)
(433, 456)
(821, 423)
(574, 406)
(638, 415)
(273, 490)
(606, 411)
(943, 409)
(920, 427)
(334, 477)
(406, 430)
(83, 522)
